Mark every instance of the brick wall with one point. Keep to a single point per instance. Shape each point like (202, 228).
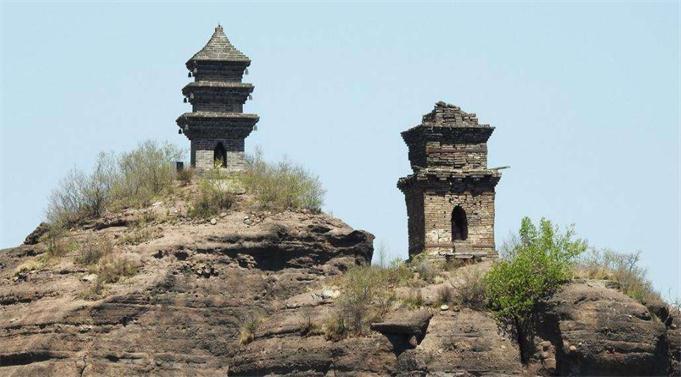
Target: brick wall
(416, 221)
(203, 153)
(218, 71)
(457, 156)
(448, 154)
(479, 208)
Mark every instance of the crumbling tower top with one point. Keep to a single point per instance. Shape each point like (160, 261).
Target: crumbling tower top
(450, 194)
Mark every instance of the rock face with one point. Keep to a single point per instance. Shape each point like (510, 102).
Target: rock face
(182, 313)
(247, 296)
(599, 331)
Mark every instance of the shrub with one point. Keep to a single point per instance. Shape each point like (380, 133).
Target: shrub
(185, 176)
(334, 326)
(93, 291)
(414, 299)
(146, 171)
(248, 328)
(213, 197)
(139, 235)
(57, 243)
(130, 179)
(366, 295)
(282, 186)
(624, 269)
(445, 295)
(30, 265)
(114, 267)
(309, 327)
(426, 268)
(537, 263)
(80, 196)
(93, 249)
(381, 255)
(471, 291)
(142, 229)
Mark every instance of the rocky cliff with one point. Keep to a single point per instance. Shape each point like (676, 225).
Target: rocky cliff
(245, 294)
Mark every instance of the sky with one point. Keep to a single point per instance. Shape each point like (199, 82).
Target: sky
(584, 98)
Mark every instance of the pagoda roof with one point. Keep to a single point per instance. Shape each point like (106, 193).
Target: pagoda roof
(219, 48)
(449, 176)
(216, 115)
(217, 85)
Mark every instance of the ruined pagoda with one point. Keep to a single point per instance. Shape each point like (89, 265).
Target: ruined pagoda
(450, 194)
(217, 126)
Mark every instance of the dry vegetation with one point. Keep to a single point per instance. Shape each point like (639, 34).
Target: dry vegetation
(214, 196)
(282, 186)
(368, 293)
(533, 266)
(93, 249)
(137, 183)
(248, 328)
(541, 258)
(132, 179)
(622, 268)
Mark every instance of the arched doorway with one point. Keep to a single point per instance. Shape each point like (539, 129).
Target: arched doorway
(459, 224)
(220, 156)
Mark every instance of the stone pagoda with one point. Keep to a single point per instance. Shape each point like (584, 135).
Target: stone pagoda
(450, 195)
(217, 126)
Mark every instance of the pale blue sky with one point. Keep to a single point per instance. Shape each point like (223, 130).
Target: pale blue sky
(584, 98)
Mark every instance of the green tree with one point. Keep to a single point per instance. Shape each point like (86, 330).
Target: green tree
(535, 265)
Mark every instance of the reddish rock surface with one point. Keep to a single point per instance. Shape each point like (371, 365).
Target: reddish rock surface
(199, 284)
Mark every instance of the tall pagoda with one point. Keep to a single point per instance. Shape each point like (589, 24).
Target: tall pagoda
(217, 126)
(450, 194)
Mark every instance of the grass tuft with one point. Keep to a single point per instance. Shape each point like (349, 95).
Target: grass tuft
(282, 186)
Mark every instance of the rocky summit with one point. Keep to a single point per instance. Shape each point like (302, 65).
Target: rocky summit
(247, 293)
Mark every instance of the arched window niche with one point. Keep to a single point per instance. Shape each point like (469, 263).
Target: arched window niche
(459, 224)
(220, 156)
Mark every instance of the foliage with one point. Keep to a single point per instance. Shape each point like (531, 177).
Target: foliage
(471, 291)
(415, 299)
(335, 327)
(185, 176)
(248, 328)
(131, 179)
(213, 197)
(92, 249)
(624, 269)
(112, 268)
(93, 291)
(536, 264)
(80, 196)
(57, 243)
(145, 172)
(282, 186)
(309, 326)
(30, 265)
(366, 296)
(445, 294)
(142, 229)
(427, 269)
(381, 255)
(138, 235)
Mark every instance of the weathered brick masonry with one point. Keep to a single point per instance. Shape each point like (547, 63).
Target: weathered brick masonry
(450, 195)
(217, 125)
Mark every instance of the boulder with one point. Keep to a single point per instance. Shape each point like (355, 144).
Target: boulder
(600, 331)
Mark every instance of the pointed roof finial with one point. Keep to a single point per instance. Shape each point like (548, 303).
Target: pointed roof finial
(219, 48)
